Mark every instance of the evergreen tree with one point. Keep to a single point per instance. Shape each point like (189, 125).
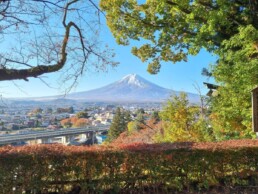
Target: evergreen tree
(127, 116)
(118, 125)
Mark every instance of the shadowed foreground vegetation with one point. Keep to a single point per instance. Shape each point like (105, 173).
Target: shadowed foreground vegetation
(136, 168)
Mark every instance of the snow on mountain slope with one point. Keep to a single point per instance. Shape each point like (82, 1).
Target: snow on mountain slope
(131, 88)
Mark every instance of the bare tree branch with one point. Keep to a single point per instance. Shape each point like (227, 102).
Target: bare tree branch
(66, 43)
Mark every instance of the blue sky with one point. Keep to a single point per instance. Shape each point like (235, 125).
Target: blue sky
(180, 76)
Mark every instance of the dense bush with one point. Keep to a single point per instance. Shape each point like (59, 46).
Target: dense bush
(129, 168)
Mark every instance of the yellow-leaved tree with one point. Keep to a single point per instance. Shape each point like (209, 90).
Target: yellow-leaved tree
(183, 122)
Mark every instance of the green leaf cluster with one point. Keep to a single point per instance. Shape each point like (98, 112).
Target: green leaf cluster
(174, 29)
(237, 73)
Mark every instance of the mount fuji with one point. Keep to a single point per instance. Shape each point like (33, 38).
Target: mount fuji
(131, 88)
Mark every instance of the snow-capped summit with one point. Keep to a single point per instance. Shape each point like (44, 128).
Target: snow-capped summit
(134, 79)
(131, 77)
(131, 88)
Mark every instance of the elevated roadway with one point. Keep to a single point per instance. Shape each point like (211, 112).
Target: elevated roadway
(12, 138)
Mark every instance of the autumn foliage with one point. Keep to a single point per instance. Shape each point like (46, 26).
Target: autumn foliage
(74, 122)
(144, 135)
(131, 168)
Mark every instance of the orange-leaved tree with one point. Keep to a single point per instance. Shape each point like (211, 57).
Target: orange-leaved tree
(74, 122)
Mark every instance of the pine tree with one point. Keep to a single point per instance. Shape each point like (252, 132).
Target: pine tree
(118, 124)
(127, 116)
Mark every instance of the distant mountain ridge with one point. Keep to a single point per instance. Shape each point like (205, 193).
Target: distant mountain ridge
(131, 88)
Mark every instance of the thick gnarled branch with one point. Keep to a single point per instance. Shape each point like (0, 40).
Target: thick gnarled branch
(15, 74)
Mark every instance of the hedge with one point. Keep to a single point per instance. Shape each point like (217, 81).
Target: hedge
(134, 168)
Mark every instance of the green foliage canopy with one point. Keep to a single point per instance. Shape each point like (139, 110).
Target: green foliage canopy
(237, 73)
(174, 29)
